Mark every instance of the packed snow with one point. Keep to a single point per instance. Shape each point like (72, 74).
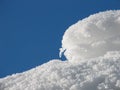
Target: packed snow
(92, 49)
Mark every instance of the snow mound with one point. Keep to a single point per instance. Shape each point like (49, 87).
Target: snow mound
(94, 43)
(101, 73)
(92, 37)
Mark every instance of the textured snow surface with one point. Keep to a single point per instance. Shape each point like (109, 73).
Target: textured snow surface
(92, 36)
(101, 73)
(92, 47)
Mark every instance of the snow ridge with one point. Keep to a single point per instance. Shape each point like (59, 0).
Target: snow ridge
(99, 33)
(92, 47)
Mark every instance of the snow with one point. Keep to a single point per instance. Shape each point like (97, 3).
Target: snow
(92, 37)
(101, 73)
(92, 49)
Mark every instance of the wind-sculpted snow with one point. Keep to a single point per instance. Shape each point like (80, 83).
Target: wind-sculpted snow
(101, 73)
(92, 36)
(92, 47)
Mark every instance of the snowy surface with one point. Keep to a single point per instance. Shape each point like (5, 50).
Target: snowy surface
(92, 47)
(92, 37)
(101, 73)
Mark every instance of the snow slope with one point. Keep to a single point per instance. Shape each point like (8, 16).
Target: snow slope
(92, 47)
(101, 73)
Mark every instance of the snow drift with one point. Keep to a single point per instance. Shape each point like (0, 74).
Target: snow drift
(102, 73)
(92, 37)
(94, 43)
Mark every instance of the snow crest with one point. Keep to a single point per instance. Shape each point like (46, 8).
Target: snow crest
(92, 37)
(92, 47)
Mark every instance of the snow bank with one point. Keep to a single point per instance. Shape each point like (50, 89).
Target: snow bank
(92, 37)
(94, 43)
(101, 73)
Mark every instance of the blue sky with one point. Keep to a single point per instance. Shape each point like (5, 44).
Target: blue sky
(31, 30)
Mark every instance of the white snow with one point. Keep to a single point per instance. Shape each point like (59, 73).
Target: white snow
(92, 37)
(101, 73)
(92, 47)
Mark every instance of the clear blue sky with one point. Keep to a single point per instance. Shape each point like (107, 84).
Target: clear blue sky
(31, 30)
